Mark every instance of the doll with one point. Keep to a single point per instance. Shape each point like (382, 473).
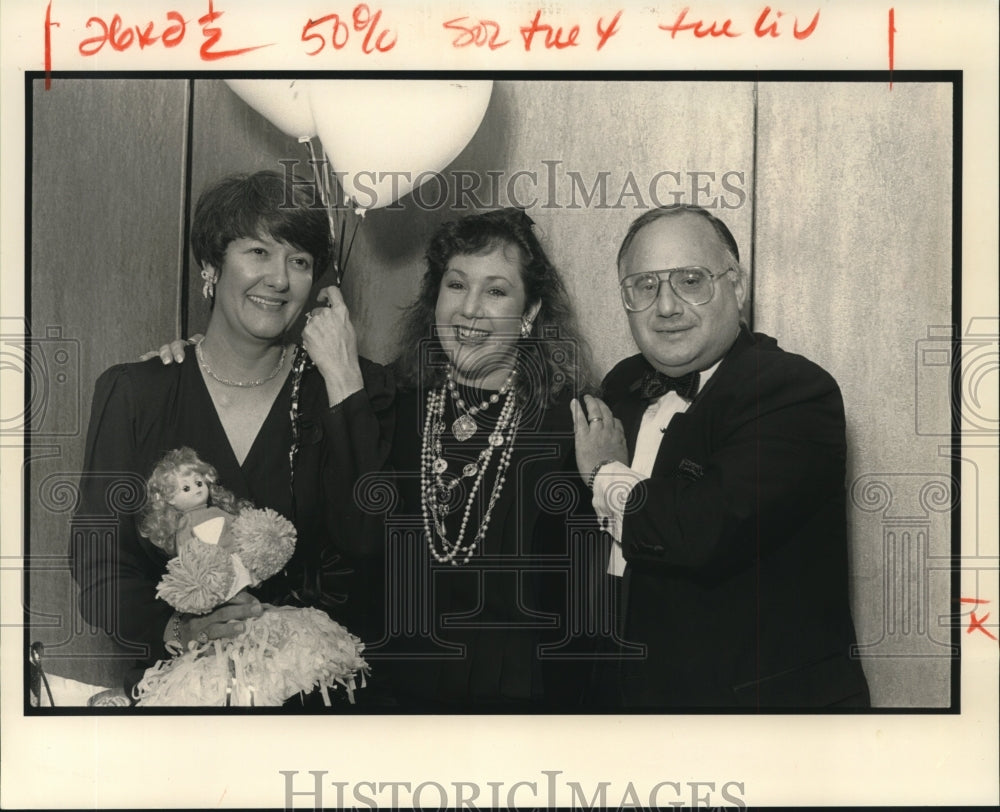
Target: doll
(221, 545)
(178, 496)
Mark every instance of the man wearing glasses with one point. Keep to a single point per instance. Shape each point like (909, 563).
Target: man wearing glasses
(718, 463)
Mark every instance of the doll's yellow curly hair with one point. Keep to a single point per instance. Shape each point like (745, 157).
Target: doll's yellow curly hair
(160, 519)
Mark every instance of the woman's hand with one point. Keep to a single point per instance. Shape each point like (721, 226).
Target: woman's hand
(599, 435)
(221, 623)
(174, 351)
(329, 338)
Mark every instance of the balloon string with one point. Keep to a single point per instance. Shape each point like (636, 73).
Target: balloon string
(341, 259)
(322, 178)
(350, 246)
(336, 214)
(342, 217)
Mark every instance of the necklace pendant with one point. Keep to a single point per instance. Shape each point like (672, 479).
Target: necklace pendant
(440, 465)
(463, 428)
(470, 470)
(496, 439)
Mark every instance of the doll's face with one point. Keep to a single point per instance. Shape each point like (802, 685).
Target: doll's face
(191, 490)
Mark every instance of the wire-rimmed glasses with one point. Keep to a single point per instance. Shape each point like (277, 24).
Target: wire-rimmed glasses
(694, 284)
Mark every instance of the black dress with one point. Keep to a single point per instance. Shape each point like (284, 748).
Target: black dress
(142, 410)
(493, 634)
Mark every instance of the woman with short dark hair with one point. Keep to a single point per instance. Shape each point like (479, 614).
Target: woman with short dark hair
(270, 416)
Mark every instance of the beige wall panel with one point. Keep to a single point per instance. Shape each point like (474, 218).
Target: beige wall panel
(105, 214)
(853, 266)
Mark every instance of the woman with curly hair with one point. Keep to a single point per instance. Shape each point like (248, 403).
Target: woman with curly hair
(479, 538)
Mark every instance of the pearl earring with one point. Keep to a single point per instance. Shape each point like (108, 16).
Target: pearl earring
(525, 328)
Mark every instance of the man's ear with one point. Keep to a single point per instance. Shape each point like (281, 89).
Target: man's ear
(741, 286)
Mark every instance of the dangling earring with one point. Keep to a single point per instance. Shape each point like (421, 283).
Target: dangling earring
(210, 277)
(525, 328)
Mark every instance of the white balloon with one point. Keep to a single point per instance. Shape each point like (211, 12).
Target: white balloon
(385, 137)
(283, 102)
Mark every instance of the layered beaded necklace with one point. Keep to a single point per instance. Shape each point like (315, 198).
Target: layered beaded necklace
(465, 425)
(437, 485)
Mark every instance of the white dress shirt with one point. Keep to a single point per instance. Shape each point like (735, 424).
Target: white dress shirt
(614, 481)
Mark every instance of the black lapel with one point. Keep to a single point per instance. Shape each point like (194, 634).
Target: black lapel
(631, 411)
(677, 437)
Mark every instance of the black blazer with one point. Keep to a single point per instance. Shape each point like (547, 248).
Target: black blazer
(736, 546)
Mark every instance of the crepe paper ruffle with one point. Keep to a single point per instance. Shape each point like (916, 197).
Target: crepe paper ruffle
(284, 652)
(264, 539)
(197, 579)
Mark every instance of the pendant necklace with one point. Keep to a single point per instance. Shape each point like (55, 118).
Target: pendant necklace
(465, 426)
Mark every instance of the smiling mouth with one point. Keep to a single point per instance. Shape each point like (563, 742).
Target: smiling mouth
(470, 333)
(264, 301)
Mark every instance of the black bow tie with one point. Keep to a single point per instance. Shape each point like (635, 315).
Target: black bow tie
(654, 385)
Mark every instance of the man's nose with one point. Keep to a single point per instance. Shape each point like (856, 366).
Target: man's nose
(668, 303)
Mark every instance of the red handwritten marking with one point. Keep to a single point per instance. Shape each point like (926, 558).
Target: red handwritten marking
(48, 45)
(805, 32)
(553, 37)
(771, 30)
(972, 600)
(977, 623)
(892, 43)
(479, 33)
(764, 26)
(213, 34)
(340, 33)
(696, 27)
(362, 20)
(121, 37)
(604, 34)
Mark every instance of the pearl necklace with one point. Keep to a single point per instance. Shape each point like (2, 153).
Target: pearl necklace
(200, 353)
(435, 491)
(465, 425)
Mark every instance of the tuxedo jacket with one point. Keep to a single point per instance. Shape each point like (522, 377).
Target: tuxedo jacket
(736, 546)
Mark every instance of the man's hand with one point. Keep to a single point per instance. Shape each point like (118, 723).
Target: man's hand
(174, 351)
(599, 435)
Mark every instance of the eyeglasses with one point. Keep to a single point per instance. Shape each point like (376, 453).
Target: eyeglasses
(695, 285)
